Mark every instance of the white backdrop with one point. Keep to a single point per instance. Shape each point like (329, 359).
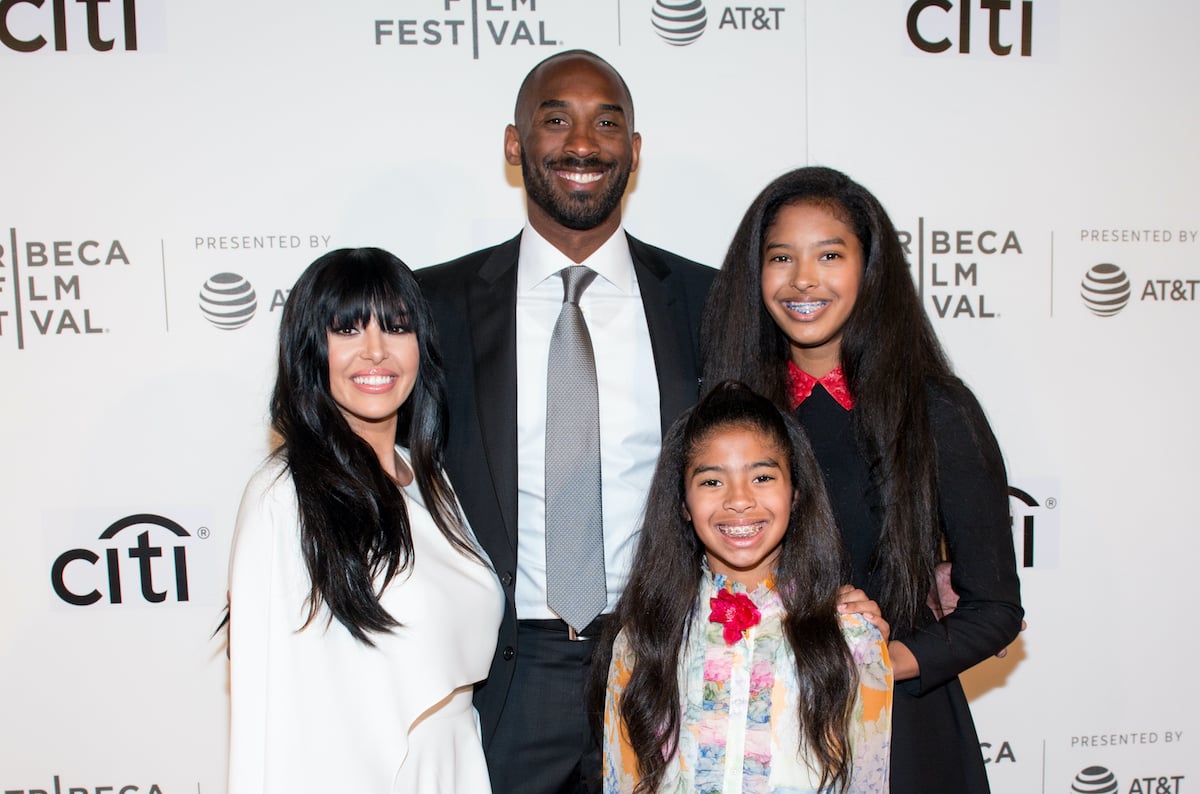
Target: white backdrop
(152, 147)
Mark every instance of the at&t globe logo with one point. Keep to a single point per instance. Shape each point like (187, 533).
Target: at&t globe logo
(228, 301)
(1105, 290)
(679, 22)
(1095, 780)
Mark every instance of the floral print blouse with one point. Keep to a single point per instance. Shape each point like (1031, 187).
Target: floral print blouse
(739, 730)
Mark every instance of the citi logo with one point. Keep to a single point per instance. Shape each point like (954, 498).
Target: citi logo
(936, 26)
(228, 300)
(1037, 537)
(1105, 290)
(83, 577)
(32, 25)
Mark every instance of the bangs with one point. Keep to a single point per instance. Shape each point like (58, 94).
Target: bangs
(353, 295)
(388, 313)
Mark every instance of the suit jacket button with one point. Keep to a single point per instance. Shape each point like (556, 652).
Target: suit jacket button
(508, 653)
(506, 579)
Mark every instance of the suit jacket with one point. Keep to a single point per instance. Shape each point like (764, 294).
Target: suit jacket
(474, 302)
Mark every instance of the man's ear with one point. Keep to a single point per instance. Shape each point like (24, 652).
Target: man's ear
(512, 145)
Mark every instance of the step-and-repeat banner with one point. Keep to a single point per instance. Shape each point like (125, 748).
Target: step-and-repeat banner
(1040, 158)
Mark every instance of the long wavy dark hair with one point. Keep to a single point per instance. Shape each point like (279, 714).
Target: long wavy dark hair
(659, 606)
(355, 532)
(889, 354)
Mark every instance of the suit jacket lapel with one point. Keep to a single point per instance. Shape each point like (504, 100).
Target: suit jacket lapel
(667, 321)
(492, 305)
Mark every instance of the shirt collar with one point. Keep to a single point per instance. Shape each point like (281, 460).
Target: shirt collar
(539, 260)
(800, 386)
(721, 581)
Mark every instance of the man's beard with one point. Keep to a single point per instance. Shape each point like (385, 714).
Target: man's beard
(581, 210)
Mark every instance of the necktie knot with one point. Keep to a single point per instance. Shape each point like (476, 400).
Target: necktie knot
(575, 280)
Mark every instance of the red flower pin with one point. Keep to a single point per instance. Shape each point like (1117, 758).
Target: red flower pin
(735, 611)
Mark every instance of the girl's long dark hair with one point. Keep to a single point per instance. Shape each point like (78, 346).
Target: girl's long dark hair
(355, 532)
(658, 607)
(889, 354)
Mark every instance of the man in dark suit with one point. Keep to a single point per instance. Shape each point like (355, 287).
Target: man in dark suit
(574, 139)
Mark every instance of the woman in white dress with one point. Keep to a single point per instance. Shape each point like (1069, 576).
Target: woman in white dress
(362, 611)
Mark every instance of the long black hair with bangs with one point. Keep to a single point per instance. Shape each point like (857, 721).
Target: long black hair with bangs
(355, 531)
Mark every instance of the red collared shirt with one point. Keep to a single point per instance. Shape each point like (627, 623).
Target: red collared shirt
(800, 386)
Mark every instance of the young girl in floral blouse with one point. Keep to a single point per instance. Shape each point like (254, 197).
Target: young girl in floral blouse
(732, 671)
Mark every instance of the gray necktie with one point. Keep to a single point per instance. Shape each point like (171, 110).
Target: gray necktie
(575, 587)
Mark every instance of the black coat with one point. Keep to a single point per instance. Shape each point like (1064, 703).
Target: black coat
(935, 749)
(474, 303)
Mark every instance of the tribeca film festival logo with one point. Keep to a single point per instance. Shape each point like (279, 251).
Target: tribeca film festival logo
(469, 23)
(1102, 780)
(87, 25)
(997, 753)
(1106, 288)
(938, 26)
(140, 558)
(57, 786)
(682, 22)
(951, 263)
(42, 281)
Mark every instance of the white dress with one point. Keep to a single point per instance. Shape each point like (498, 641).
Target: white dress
(315, 710)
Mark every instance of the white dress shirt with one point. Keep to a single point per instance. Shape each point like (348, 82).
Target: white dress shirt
(630, 425)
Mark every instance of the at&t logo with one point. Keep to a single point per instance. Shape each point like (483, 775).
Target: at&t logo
(1101, 780)
(682, 22)
(228, 301)
(1105, 289)
(679, 22)
(1095, 780)
(32, 25)
(147, 562)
